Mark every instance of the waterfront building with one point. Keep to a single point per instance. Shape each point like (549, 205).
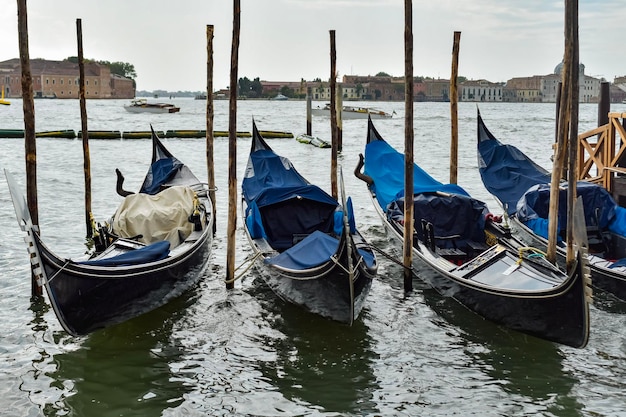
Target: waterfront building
(60, 79)
(481, 91)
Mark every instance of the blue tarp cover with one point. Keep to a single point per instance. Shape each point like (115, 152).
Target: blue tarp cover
(448, 207)
(385, 166)
(160, 172)
(450, 214)
(507, 172)
(267, 170)
(151, 253)
(281, 203)
(312, 251)
(600, 208)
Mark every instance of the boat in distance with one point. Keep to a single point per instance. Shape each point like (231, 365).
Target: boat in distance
(156, 246)
(353, 112)
(461, 251)
(304, 241)
(522, 187)
(142, 105)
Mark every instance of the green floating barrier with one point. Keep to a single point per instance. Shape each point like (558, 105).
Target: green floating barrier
(144, 134)
(11, 133)
(185, 134)
(102, 134)
(63, 134)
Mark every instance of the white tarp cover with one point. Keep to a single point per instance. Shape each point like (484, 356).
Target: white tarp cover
(163, 216)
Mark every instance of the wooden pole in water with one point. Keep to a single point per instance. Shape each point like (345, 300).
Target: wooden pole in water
(232, 149)
(571, 7)
(454, 114)
(560, 153)
(309, 128)
(559, 89)
(83, 124)
(333, 117)
(209, 123)
(339, 118)
(408, 146)
(604, 104)
(28, 105)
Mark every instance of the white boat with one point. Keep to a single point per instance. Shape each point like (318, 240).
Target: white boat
(280, 97)
(142, 105)
(353, 112)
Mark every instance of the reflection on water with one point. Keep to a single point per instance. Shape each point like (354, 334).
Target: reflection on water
(321, 362)
(528, 369)
(123, 370)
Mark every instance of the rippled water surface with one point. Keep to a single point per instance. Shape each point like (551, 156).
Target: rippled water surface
(244, 352)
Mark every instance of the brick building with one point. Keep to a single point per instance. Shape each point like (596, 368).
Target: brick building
(60, 79)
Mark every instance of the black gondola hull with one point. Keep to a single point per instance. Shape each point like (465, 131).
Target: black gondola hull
(558, 314)
(87, 298)
(325, 290)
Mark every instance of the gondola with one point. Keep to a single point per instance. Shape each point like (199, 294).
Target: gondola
(462, 253)
(522, 187)
(307, 244)
(156, 246)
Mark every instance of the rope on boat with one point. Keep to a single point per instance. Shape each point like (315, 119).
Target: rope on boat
(59, 271)
(535, 253)
(249, 260)
(336, 262)
(389, 257)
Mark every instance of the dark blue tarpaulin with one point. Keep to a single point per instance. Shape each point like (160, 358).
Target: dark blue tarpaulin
(312, 251)
(267, 170)
(282, 205)
(507, 172)
(385, 166)
(455, 216)
(600, 208)
(151, 253)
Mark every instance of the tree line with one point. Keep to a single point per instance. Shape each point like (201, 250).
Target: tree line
(123, 69)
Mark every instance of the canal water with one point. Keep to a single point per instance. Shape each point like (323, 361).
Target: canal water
(244, 352)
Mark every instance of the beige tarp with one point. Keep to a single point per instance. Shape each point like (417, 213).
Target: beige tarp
(163, 216)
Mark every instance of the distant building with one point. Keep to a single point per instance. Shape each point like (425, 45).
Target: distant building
(481, 91)
(533, 89)
(60, 79)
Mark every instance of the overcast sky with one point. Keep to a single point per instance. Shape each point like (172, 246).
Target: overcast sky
(288, 40)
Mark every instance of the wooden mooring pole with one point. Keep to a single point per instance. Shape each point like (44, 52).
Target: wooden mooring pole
(84, 129)
(339, 118)
(571, 30)
(604, 104)
(210, 159)
(333, 117)
(454, 113)
(232, 149)
(28, 104)
(408, 146)
(563, 135)
(309, 125)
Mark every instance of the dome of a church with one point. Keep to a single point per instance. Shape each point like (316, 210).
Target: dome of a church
(559, 68)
